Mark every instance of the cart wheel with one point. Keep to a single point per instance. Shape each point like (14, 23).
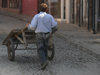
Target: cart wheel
(51, 53)
(11, 50)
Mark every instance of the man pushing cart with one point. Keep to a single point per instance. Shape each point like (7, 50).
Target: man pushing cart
(42, 23)
(39, 31)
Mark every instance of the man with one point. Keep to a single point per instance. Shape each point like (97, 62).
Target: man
(42, 23)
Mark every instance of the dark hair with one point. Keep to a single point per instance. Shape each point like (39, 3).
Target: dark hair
(43, 7)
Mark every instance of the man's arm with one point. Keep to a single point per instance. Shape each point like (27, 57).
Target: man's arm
(54, 25)
(33, 23)
(54, 29)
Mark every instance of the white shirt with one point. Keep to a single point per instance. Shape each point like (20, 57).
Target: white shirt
(42, 22)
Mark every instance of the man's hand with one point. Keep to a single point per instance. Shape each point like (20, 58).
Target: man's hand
(54, 29)
(27, 24)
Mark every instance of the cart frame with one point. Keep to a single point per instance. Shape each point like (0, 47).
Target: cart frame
(24, 37)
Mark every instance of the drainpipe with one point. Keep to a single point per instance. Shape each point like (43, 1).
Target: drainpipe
(82, 12)
(79, 14)
(88, 14)
(73, 12)
(94, 32)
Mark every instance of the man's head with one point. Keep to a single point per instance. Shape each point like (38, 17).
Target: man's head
(43, 7)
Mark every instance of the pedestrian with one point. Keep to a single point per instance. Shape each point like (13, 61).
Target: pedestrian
(43, 24)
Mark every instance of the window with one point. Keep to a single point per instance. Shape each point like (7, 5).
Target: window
(54, 7)
(13, 3)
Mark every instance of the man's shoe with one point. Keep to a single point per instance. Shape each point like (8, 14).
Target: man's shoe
(43, 66)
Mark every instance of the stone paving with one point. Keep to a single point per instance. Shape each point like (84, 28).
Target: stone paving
(80, 36)
(76, 34)
(72, 57)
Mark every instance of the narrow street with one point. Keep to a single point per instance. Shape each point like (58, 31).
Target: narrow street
(69, 59)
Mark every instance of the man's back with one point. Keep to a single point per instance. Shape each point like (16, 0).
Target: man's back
(43, 22)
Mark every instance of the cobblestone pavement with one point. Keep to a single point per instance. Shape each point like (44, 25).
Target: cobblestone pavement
(70, 59)
(80, 36)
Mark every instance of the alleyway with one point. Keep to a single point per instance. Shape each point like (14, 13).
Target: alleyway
(70, 58)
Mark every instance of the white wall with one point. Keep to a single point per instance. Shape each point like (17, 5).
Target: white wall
(68, 11)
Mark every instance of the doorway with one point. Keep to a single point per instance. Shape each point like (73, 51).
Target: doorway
(4, 4)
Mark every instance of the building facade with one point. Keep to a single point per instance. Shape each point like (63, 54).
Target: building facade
(27, 7)
(10, 5)
(60, 9)
(86, 13)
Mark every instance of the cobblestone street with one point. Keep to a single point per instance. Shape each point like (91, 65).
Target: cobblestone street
(70, 59)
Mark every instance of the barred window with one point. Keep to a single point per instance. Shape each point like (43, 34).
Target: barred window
(13, 3)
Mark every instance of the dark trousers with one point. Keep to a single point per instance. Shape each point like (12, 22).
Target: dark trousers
(42, 45)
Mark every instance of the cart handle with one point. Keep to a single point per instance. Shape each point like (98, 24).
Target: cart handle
(22, 30)
(25, 28)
